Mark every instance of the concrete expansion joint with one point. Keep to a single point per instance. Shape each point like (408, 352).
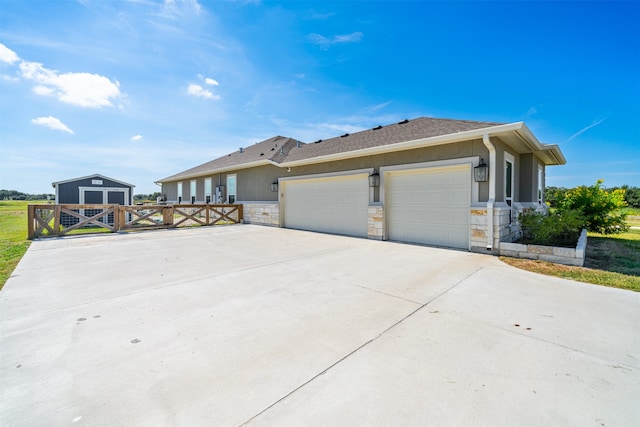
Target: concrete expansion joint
(615, 364)
(356, 350)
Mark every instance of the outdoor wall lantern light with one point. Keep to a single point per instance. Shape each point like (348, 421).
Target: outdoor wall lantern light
(481, 172)
(274, 186)
(374, 179)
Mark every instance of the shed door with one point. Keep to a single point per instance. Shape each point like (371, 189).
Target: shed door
(93, 197)
(114, 197)
(331, 205)
(429, 206)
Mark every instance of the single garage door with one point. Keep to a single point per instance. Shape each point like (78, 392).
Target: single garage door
(429, 206)
(335, 205)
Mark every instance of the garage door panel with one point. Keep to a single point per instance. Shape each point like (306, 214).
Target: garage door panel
(331, 205)
(429, 206)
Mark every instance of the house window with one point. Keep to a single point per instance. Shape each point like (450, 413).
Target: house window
(540, 184)
(207, 190)
(192, 190)
(180, 192)
(231, 188)
(508, 182)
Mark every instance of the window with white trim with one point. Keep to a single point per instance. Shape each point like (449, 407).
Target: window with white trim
(540, 184)
(509, 163)
(231, 188)
(179, 191)
(192, 190)
(207, 190)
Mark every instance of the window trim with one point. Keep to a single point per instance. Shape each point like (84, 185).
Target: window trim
(540, 190)
(193, 188)
(234, 187)
(208, 186)
(509, 159)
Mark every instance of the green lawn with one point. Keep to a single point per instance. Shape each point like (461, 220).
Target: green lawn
(612, 261)
(13, 235)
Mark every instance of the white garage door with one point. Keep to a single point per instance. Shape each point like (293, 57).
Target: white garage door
(429, 206)
(331, 205)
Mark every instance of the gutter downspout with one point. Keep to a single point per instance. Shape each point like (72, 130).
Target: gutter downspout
(492, 188)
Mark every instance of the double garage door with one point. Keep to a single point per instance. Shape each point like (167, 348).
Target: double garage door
(428, 205)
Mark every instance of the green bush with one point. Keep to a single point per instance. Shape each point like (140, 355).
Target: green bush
(560, 228)
(600, 208)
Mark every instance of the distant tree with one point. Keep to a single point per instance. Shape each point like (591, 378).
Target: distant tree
(632, 196)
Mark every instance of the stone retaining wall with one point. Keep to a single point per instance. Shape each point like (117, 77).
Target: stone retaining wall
(262, 213)
(566, 256)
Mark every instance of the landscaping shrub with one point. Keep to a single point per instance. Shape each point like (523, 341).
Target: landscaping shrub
(560, 228)
(600, 208)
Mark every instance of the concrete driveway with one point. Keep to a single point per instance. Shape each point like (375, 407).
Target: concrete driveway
(253, 325)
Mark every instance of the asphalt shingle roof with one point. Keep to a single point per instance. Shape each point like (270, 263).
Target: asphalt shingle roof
(410, 130)
(274, 149)
(280, 149)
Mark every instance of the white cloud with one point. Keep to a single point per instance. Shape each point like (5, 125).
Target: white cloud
(7, 55)
(82, 89)
(199, 91)
(177, 6)
(42, 90)
(136, 138)
(211, 81)
(325, 42)
(52, 123)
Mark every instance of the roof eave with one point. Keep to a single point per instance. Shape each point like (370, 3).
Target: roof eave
(405, 145)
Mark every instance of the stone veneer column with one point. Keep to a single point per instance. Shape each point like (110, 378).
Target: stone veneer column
(478, 229)
(375, 222)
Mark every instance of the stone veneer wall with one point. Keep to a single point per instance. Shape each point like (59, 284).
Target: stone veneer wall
(262, 213)
(503, 230)
(375, 222)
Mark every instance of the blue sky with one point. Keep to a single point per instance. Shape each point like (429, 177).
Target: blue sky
(138, 90)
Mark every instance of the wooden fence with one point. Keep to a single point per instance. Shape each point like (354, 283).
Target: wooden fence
(59, 220)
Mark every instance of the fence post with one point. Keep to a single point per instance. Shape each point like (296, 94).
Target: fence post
(167, 215)
(56, 219)
(31, 210)
(118, 217)
(240, 213)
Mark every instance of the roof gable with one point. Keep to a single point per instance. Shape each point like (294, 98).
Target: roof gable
(96, 175)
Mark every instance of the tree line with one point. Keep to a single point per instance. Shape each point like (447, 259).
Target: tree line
(17, 195)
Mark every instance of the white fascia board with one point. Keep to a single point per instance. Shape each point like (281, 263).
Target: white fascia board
(407, 145)
(94, 175)
(552, 150)
(220, 170)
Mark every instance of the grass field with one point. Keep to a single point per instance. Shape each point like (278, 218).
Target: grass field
(13, 235)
